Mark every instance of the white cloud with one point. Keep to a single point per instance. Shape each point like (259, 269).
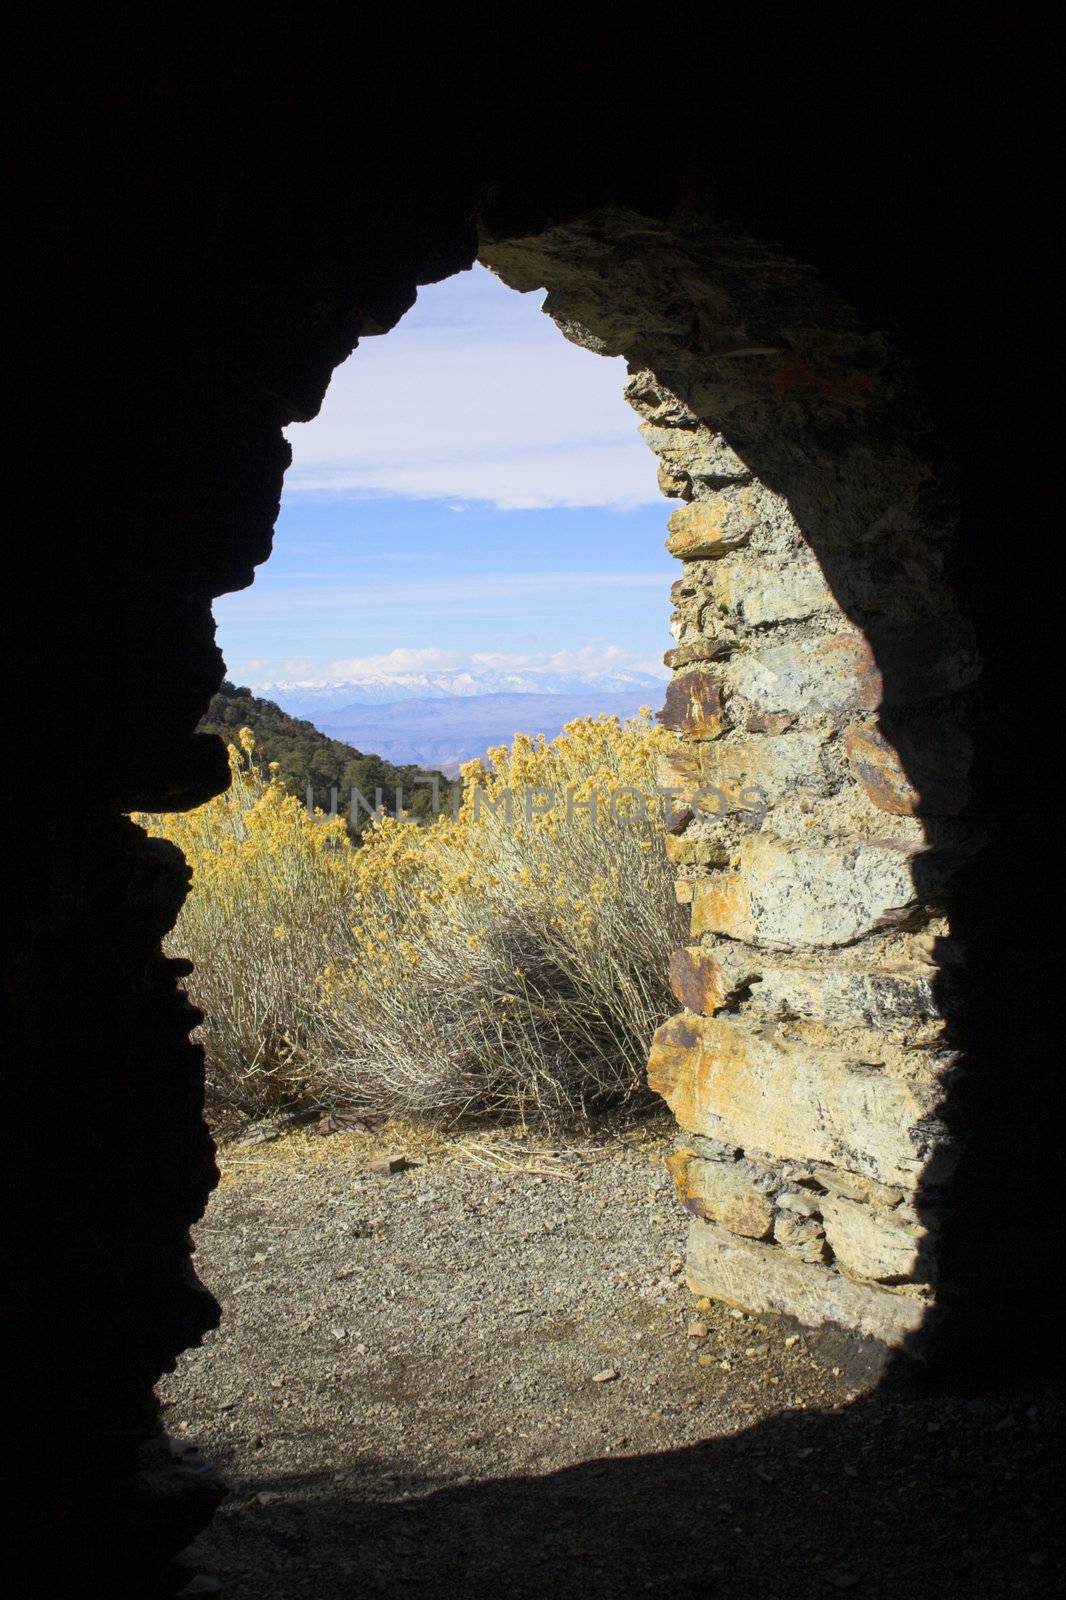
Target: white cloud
(585, 659)
(391, 661)
(476, 396)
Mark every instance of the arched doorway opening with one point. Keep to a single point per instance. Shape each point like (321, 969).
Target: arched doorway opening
(820, 676)
(819, 681)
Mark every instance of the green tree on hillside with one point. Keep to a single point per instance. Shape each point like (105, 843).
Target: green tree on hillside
(307, 757)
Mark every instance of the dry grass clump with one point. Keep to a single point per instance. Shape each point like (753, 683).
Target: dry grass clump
(511, 965)
(501, 962)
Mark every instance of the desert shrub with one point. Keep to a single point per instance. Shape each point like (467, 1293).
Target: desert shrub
(491, 962)
(509, 964)
(265, 915)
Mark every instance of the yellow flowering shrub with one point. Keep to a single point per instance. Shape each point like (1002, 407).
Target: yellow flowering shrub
(266, 911)
(511, 959)
(501, 960)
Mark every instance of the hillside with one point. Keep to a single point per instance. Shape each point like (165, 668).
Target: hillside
(306, 756)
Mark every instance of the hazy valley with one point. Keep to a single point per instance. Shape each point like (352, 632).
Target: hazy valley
(442, 719)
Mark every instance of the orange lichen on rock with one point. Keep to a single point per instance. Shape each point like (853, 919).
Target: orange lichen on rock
(708, 528)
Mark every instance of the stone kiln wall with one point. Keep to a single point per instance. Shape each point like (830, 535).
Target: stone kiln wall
(210, 217)
(820, 679)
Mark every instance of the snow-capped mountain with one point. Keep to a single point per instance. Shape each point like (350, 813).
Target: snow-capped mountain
(321, 701)
(448, 730)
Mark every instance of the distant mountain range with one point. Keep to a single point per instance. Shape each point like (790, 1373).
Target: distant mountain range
(445, 732)
(441, 719)
(319, 700)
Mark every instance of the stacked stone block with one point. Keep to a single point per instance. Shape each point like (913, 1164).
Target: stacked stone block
(813, 1058)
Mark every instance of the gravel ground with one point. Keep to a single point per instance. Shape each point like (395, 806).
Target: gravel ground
(460, 1376)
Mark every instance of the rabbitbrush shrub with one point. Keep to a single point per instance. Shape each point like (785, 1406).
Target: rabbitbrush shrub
(267, 910)
(492, 962)
(510, 964)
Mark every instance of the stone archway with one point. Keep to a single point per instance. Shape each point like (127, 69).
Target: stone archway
(819, 679)
(198, 275)
(821, 665)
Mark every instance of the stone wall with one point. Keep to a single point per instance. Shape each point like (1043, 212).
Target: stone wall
(820, 685)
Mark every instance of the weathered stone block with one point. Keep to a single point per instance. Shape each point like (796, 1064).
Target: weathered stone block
(679, 769)
(692, 654)
(798, 895)
(722, 1193)
(802, 1236)
(835, 674)
(767, 1279)
(736, 770)
(695, 849)
(857, 997)
(779, 1094)
(767, 764)
(695, 452)
(708, 528)
(920, 770)
(693, 706)
(876, 1245)
(657, 404)
(763, 591)
(697, 980)
(674, 484)
(775, 722)
(848, 672)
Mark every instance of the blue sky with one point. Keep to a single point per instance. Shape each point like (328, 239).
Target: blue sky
(474, 486)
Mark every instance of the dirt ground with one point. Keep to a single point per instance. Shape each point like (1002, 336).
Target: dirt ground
(483, 1373)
